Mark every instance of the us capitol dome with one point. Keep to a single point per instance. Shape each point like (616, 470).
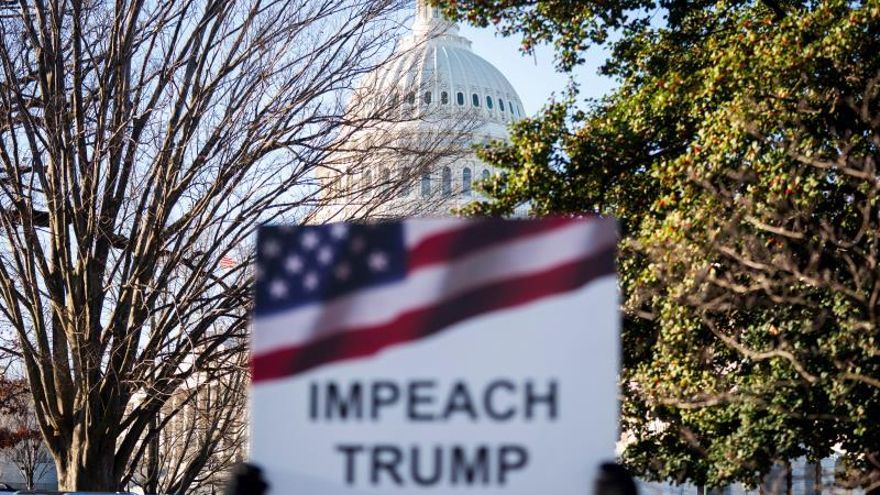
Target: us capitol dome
(417, 118)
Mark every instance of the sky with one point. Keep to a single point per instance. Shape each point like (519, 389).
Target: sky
(534, 77)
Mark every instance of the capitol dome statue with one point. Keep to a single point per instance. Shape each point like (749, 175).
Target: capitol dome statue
(415, 120)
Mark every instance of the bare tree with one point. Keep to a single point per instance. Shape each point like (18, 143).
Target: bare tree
(140, 143)
(199, 434)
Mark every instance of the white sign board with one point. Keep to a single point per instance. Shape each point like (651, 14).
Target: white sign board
(435, 356)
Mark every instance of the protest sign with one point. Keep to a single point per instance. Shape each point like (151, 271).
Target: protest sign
(435, 356)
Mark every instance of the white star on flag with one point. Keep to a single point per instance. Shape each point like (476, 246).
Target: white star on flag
(339, 231)
(293, 264)
(278, 289)
(310, 281)
(271, 248)
(310, 240)
(377, 261)
(325, 255)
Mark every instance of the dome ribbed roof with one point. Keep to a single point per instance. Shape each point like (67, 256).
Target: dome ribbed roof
(423, 111)
(437, 68)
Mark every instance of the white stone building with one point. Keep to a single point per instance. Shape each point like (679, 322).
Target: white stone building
(425, 109)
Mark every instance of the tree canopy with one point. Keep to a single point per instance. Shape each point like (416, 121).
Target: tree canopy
(739, 154)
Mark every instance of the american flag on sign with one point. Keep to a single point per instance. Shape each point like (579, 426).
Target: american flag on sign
(344, 291)
(228, 263)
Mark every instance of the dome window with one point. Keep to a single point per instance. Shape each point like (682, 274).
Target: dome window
(411, 98)
(427, 97)
(489, 102)
(476, 99)
(460, 98)
(447, 181)
(405, 184)
(444, 98)
(501, 104)
(426, 185)
(486, 174)
(466, 181)
(368, 181)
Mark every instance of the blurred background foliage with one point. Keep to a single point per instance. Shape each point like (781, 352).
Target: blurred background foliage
(739, 155)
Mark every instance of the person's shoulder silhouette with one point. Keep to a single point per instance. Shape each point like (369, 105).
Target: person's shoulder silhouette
(246, 479)
(614, 479)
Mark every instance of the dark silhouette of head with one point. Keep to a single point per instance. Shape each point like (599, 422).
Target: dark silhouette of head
(614, 479)
(246, 479)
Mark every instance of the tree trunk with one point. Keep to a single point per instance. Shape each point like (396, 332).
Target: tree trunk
(97, 476)
(152, 482)
(88, 466)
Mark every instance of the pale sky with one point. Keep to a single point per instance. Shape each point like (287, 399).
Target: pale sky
(534, 77)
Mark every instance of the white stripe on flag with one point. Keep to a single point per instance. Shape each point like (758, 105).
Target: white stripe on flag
(419, 229)
(529, 255)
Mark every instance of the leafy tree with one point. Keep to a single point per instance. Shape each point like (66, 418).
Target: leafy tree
(13, 405)
(21, 444)
(740, 154)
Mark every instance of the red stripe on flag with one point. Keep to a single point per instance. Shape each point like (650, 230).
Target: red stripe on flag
(419, 323)
(442, 248)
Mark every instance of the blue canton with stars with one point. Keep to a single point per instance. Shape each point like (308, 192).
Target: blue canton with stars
(299, 265)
